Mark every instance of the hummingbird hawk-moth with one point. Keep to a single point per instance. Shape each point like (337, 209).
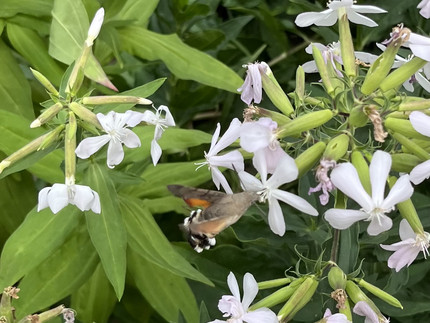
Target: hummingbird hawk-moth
(215, 212)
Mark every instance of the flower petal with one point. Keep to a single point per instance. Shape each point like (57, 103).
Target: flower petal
(286, 171)
(89, 146)
(342, 219)
(155, 152)
(149, 117)
(272, 157)
(250, 290)
(261, 315)
(400, 192)
(405, 230)
(115, 154)
(219, 179)
(420, 122)
(345, 178)
(276, 218)
(233, 285)
(360, 19)
(132, 118)
(232, 160)
(378, 171)
(43, 198)
(254, 136)
(130, 140)
(403, 257)
(83, 197)
(420, 172)
(379, 224)
(168, 119)
(295, 201)
(363, 309)
(230, 136)
(423, 81)
(324, 18)
(58, 197)
(367, 9)
(249, 182)
(310, 67)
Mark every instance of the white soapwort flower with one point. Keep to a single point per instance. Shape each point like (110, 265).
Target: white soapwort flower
(364, 309)
(286, 171)
(59, 196)
(95, 27)
(115, 125)
(329, 17)
(424, 5)
(373, 208)
(162, 119)
(407, 250)
(252, 88)
(232, 160)
(334, 318)
(232, 306)
(421, 123)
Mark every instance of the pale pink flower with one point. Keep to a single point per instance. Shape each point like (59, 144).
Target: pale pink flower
(232, 306)
(373, 208)
(364, 309)
(334, 318)
(407, 250)
(421, 123)
(325, 184)
(252, 88)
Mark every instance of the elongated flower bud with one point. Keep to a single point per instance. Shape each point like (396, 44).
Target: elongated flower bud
(300, 84)
(412, 147)
(304, 123)
(307, 159)
(50, 314)
(299, 299)
(346, 46)
(403, 127)
(359, 162)
(356, 295)
(70, 146)
(274, 283)
(323, 71)
(402, 74)
(96, 25)
(275, 92)
(404, 163)
(120, 99)
(85, 114)
(47, 115)
(45, 82)
(51, 137)
(280, 296)
(379, 293)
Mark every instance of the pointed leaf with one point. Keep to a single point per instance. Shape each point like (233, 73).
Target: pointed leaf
(107, 229)
(11, 8)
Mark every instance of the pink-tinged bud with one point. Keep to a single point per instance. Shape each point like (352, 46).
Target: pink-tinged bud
(95, 26)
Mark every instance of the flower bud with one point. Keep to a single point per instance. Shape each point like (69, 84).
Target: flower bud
(279, 118)
(47, 115)
(379, 293)
(347, 47)
(420, 104)
(70, 146)
(359, 162)
(45, 82)
(275, 92)
(274, 283)
(356, 295)
(403, 127)
(299, 299)
(357, 117)
(404, 162)
(85, 114)
(281, 295)
(300, 83)
(402, 74)
(323, 71)
(51, 137)
(120, 99)
(337, 147)
(95, 27)
(336, 278)
(407, 211)
(307, 159)
(412, 147)
(50, 314)
(380, 68)
(304, 123)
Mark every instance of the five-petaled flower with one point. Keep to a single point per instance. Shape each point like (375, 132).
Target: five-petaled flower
(285, 172)
(407, 250)
(232, 306)
(421, 123)
(160, 123)
(232, 160)
(60, 195)
(115, 125)
(252, 88)
(373, 208)
(329, 17)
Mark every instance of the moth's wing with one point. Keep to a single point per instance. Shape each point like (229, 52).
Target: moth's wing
(196, 197)
(212, 227)
(233, 205)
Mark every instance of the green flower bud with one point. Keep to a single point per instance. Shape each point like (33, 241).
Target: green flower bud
(77, 75)
(307, 159)
(51, 137)
(85, 114)
(299, 299)
(279, 118)
(275, 92)
(411, 146)
(120, 99)
(304, 123)
(47, 115)
(359, 162)
(404, 162)
(356, 295)
(6, 308)
(403, 127)
(357, 117)
(323, 70)
(281, 295)
(45, 82)
(274, 283)
(70, 146)
(381, 67)
(320, 102)
(50, 314)
(336, 278)
(402, 74)
(419, 104)
(300, 83)
(337, 147)
(347, 47)
(407, 211)
(379, 293)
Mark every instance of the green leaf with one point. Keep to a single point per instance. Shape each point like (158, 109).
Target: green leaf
(16, 133)
(348, 248)
(62, 273)
(167, 293)
(14, 88)
(184, 61)
(89, 303)
(137, 10)
(11, 8)
(107, 230)
(17, 199)
(36, 238)
(31, 46)
(146, 239)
